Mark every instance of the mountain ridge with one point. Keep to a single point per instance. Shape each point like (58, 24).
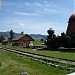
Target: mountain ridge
(34, 36)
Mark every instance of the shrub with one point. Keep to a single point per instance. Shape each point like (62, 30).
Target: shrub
(0, 64)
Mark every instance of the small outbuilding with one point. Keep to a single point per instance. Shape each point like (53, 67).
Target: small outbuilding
(5, 42)
(23, 40)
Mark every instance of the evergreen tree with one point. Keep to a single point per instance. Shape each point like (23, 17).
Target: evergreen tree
(2, 38)
(11, 33)
(22, 33)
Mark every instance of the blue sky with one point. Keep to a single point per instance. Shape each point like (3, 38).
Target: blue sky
(35, 16)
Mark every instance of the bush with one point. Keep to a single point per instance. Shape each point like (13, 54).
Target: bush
(0, 64)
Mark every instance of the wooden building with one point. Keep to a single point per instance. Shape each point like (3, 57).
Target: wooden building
(23, 40)
(5, 42)
(71, 27)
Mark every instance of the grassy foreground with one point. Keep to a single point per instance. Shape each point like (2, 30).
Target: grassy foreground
(60, 54)
(14, 65)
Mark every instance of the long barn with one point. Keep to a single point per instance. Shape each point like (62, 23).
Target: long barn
(23, 40)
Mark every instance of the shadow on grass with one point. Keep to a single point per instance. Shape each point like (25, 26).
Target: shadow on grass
(63, 50)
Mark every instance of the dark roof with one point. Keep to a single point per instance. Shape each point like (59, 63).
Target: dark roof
(5, 40)
(20, 36)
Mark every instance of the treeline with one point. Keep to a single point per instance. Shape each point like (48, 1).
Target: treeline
(10, 37)
(54, 42)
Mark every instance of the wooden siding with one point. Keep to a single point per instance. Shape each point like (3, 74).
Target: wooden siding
(26, 40)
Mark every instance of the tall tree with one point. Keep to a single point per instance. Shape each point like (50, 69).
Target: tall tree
(50, 38)
(2, 38)
(11, 33)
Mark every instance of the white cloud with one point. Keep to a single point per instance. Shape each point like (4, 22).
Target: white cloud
(21, 24)
(47, 8)
(40, 8)
(50, 10)
(28, 4)
(44, 7)
(42, 28)
(30, 27)
(26, 13)
(38, 4)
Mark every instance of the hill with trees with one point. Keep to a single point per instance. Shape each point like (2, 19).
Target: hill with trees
(35, 36)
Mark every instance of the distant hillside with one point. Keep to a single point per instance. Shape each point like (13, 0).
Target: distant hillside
(38, 36)
(6, 34)
(35, 36)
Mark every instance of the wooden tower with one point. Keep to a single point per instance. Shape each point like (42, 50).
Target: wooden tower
(71, 25)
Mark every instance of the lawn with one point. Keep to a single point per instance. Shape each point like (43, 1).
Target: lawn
(14, 65)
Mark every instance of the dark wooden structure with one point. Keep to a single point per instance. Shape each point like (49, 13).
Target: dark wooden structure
(5, 42)
(71, 28)
(71, 25)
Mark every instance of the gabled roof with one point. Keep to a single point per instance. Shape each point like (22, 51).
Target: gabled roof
(20, 36)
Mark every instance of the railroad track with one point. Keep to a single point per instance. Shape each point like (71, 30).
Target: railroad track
(48, 60)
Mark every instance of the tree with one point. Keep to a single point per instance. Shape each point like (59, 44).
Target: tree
(42, 40)
(50, 41)
(50, 32)
(62, 34)
(11, 33)
(22, 33)
(2, 38)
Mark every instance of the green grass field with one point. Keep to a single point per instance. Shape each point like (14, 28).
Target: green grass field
(37, 42)
(14, 65)
(60, 54)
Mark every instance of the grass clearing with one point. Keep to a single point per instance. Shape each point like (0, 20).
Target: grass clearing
(37, 42)
(14, 65)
